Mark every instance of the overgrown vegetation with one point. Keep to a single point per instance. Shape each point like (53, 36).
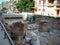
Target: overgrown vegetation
(25, 5)
(4, 9)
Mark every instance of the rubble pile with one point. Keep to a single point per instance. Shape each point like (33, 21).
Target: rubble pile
(45, 32)
(46, 38)
(47, 35)
(50, 38)
(33, 26)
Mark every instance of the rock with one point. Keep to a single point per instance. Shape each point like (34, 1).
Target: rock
(54, 40)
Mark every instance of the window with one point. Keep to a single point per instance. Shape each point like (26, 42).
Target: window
(39, 9)
(57, 12)
(51, 1)
(44, 1)
(43, 10)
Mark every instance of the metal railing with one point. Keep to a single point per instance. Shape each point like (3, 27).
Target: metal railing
(8, 36)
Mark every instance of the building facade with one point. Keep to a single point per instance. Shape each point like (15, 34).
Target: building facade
(12, 4)
(6, 4)
(0, 6)
(47, 7)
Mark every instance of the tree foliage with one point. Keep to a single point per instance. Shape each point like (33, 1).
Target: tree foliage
(4, 9)
(25, 5)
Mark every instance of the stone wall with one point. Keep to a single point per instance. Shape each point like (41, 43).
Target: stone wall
(48, 23)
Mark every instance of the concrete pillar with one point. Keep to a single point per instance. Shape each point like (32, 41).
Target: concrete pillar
(25, 16)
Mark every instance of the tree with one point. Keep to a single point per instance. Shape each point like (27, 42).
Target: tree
(25, 5)
(4, 9)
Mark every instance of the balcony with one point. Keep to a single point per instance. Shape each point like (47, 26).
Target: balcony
(51, 5)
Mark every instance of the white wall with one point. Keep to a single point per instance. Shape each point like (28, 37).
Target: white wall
(48, 10)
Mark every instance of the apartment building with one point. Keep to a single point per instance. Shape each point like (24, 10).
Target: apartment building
(6, 4)
(47, 7)
(12, 5)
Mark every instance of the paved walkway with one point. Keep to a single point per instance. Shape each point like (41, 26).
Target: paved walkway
(2, 40)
